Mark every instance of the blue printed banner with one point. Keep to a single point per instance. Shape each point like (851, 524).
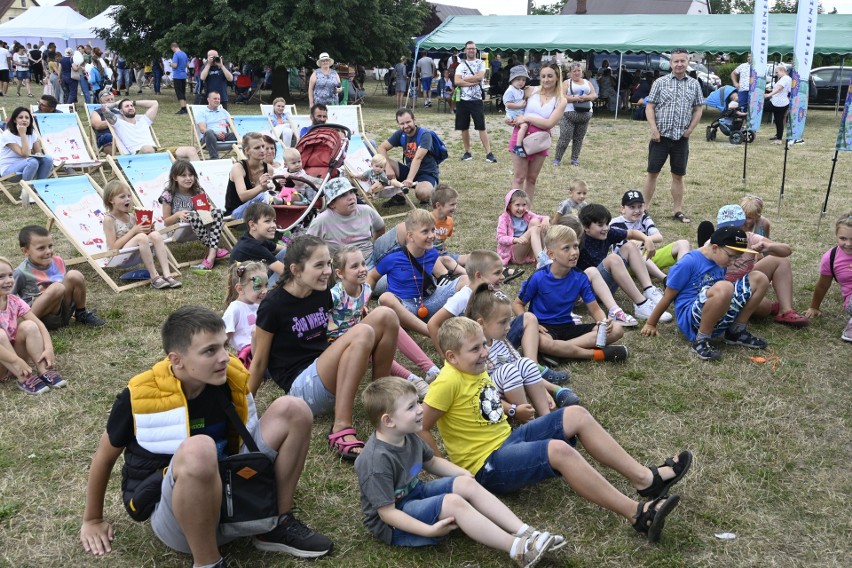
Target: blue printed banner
(757, 76)
(803, 55)
(844, 136)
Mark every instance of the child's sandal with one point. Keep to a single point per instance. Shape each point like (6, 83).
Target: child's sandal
(173, 282)
(650, 521)
(342, 447)
(659, 486)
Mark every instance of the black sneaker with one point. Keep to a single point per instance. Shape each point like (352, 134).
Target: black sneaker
(395, 201)
(490, 158)
(705, 350)
(745, 339)
(88, 317)
(181, 111)
(295, 538)
(615, 353)
(466, 156)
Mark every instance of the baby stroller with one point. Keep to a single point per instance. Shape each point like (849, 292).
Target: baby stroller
(323, 150)
(729, 121)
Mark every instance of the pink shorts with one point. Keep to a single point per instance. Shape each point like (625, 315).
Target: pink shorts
(514, 140)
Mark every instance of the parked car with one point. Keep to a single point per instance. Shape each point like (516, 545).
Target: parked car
(824, 82)
(650, 62)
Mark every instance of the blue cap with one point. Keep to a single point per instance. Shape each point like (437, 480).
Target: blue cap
(730, 216)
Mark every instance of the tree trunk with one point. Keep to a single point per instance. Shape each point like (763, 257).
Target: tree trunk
(280, 82)
(581, 7)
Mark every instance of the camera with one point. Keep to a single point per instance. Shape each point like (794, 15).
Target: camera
(217, 59)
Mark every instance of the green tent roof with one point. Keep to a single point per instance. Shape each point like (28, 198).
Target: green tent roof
(635, 33)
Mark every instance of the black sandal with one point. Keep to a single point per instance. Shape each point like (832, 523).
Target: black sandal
(659, 486)
(679, 216)
(650, 522)
(510, 274)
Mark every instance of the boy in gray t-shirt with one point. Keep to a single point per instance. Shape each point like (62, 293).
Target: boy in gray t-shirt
(401, 510)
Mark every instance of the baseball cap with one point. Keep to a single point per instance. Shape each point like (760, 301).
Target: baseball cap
(732, 238)
(730, 216)
(335, 188)
(632, 196)
(518, 71)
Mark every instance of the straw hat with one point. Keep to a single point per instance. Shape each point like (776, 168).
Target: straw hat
(322, 57)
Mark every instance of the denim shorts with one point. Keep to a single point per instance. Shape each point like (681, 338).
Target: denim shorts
(522, 459)
(516, 331)
(424, 503)
(421, 176)
(163, 520)
(742, 293)
(308, 386)
(607, 275)
(434, 302)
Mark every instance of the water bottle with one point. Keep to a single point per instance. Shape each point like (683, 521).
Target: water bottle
(600, 340)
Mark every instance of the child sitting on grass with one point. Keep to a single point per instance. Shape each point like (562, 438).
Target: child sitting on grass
(247, 286)
(464, 404)
(836, 264)
(402, 510)
(42, 282)
(444, 202)
(23, 336)
(755, 221)
(595, 252)
(515, 228)
(258, 243)
(551, 293)
(577, 191)
(380, 184)
(121, 230)
(706, 304)
(633, 216)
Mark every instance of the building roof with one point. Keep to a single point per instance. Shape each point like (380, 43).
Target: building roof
(440, 12)
(598, 7)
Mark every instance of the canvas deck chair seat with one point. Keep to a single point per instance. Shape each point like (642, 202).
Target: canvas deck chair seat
(289, 132)
(62, 137)
(90, 108)
(67, 108)
(358, 160)
(347, 115)
(75, 205)
(225, 146)
(213, 176)
(243, 124)
(122, 149)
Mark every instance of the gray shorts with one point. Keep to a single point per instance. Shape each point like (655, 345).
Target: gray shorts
(308, 386)
(607, 276)
(163, 520)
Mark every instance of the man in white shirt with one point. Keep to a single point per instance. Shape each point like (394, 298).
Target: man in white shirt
(741, 79)
(134, 132)
(214, 124)
(469, 75)
(5, 63)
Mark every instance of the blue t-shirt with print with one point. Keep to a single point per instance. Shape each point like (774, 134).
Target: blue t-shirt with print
(594, 251)
(428, 165)
(552, 299)
(691, 275)
(404, 279)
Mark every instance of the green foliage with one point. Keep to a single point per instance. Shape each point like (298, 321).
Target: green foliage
(91, 8)
(550, 9)
(724, 72)
(731, 7)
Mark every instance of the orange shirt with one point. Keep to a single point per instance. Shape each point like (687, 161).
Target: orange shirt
(443, 231)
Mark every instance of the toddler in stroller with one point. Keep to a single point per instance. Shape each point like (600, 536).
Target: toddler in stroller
(732, 117)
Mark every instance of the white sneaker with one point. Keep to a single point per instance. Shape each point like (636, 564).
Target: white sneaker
(643, 312)
(421, 385)
(618, 315)
(654, 294)
(847, 333)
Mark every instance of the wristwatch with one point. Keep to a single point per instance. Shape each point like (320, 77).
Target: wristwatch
(512, 410)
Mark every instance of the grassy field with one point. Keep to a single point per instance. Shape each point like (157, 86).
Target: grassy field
(771, 441)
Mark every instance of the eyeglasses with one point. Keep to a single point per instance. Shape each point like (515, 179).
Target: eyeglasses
(732, 256)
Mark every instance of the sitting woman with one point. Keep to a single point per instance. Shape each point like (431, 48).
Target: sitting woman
(250, 178)
(21, 151)
(280, 119)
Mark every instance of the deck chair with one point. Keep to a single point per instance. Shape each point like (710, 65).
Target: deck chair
(243, 124)
(347, 115)
(67, 108)
(213, 176)
(226, 146)
(266, 110)
(62, 137)
(90, 108)
(357, 161)
(122, 149)
(278, 130)
(75, 205)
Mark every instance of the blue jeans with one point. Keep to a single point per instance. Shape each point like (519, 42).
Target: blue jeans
(240, 211)
(122, 79)
(31, 168)
(69, 88)
(87, 93)
(424, 503)
(274, 276)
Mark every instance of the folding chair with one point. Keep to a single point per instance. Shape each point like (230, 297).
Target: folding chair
(122, 149)
(90, 108)
(62, 137)
(213, 176)
(357, 161)
(266, 110)
(347, 115)
(226, 146)
(67, 108)
(243, 124)
(75, 205)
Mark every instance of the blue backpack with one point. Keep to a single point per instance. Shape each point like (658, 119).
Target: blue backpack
(438, 150)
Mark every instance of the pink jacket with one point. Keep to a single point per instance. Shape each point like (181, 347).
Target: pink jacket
(506, 232)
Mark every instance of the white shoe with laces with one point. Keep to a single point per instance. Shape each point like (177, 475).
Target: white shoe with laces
(644, 311)
(616, 314)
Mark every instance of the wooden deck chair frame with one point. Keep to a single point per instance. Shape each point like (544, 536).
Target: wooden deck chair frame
(179, 232)
(89, 165)
(197, 141)
(67, 108)
(94, 260)
(356, 162)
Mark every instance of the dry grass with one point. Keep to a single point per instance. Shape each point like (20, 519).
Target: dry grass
(771, 441)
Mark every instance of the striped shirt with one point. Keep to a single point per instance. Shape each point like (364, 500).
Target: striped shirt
(673, 101)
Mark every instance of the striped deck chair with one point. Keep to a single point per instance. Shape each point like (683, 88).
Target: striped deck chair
(357, 161)
(225, 146)
(75, 205)
(62, 137)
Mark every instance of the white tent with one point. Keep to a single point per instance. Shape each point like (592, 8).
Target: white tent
(88, 30)
(48, 23)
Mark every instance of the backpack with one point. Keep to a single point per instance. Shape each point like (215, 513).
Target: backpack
(438, 150)
(831, 257)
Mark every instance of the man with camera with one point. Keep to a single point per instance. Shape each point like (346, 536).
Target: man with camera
(216, 76)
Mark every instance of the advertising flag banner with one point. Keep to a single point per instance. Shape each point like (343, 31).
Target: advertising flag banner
(844, 136)
(803, 55)
(759, 48)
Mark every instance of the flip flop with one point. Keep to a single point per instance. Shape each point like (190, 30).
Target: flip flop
(343, 448)
(679, 216)
(510, 274)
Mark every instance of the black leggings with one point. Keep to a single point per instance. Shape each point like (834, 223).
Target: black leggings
(779, 114)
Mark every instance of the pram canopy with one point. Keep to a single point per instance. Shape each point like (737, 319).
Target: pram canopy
(718, 99)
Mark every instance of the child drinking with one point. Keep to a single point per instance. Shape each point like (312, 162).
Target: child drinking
(122, 231)
(22, 337)
(515, 103)
(181, 205)
(350, 296)
(577, 191)
(515, 228)
(246, 289)
(836, 264)
(518, 379)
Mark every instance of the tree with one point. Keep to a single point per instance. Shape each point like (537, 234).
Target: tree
(282, 33)
(91, 8)
(731, 6)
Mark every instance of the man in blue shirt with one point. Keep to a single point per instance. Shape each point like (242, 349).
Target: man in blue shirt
(179, 76)
(419, 169)
(214, 125)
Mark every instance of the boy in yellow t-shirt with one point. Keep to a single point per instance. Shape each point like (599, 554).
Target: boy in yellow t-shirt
(465, 405)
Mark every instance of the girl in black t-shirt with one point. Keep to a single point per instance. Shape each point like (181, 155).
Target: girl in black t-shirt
(291, 341)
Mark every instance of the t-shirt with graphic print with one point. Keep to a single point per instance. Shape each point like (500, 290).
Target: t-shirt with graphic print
(347, 311)
(473, 425)
(300, 331)
(15, 309)
(691, 276)
(32, 280)
(428, 165)
(443, 231)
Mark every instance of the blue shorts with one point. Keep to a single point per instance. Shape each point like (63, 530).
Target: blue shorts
(742, 293)
(434, 302)
(421, 176)
(308, 386)
(516, 331)
(522, 459)
(22, 74)
(426, 85)
(104, 139)
(424, 503)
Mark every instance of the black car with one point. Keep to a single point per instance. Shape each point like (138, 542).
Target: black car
(825, 80)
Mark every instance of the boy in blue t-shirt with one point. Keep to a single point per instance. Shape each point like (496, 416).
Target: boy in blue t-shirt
(551, 293)
(412, 291)
(707, 305)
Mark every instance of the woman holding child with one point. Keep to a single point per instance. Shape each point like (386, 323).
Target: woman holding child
(544, 110)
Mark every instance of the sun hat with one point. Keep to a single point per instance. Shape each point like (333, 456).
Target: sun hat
(335, 188)
(732, 238)
(518, 71)
(730, 216)
(632, 196)
(322, 57)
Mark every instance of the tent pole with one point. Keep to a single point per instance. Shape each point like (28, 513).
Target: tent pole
(745, 154)
(839, 86)
(827, 192)
(618, 88)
